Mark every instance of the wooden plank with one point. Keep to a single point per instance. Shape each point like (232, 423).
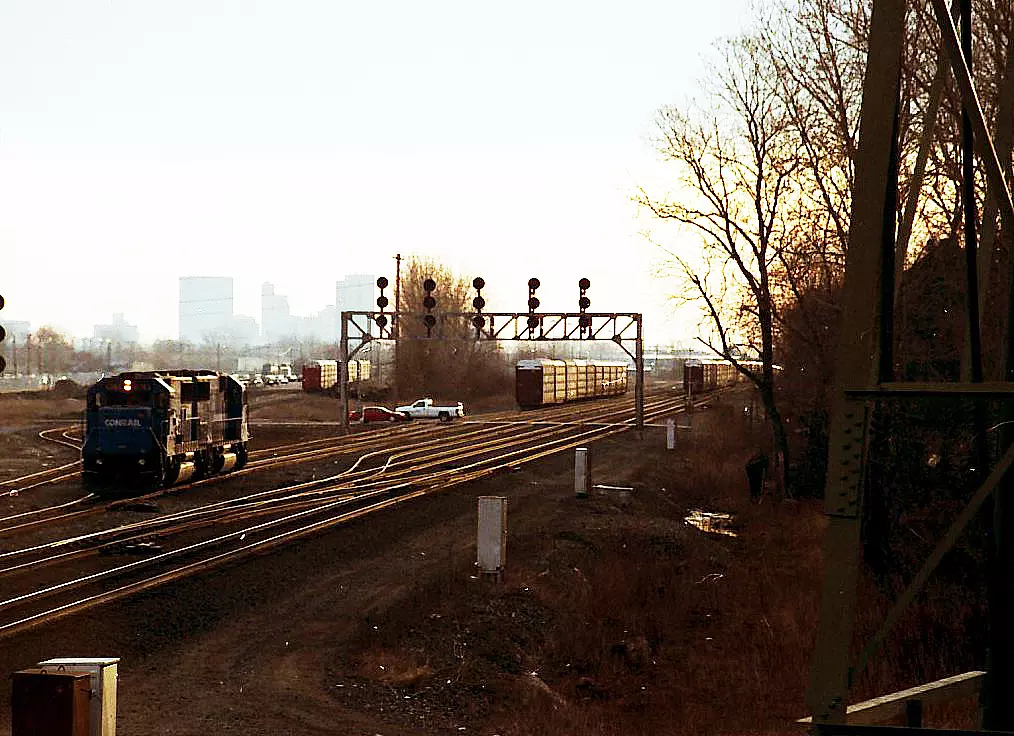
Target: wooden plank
(886, 707)
(994, 389)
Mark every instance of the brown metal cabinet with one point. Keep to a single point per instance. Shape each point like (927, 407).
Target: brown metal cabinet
(48, 702)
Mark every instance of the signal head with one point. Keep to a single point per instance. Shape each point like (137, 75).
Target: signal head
(429, 302)
(533, 322)
(584, 302)
(584, 284)
(3, 333)
(429, 320)
(478, 302)
(478, 321)
(429, 285)
(533, 303)
(382, 282)
(533, 283)
(381, 320)
(584, 320)
(382, 301)
(1, 301)
(479, 282)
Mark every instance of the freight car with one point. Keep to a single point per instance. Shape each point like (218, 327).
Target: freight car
(322, 375)
(700, 376)
(543, 382)
(156, 428)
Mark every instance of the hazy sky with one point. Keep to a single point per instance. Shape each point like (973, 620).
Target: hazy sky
(297, 142)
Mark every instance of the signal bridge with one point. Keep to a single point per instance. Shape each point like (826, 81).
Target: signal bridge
(622, 328)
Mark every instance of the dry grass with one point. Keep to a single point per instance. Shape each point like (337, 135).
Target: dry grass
(664, 629)
(294, 406)
(21, 410)
(622, 619)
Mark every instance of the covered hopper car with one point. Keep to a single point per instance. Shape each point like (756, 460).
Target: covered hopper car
(544, 382)
(156, 428)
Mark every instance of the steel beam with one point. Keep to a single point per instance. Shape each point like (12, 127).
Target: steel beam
(858, 361)
(639, 381)
(563, 326)
(970, 102)
(343, 372)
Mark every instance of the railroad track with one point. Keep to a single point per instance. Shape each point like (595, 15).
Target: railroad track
(389, 468)
(305, 451)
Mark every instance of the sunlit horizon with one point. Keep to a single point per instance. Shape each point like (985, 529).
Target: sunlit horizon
(297, 145)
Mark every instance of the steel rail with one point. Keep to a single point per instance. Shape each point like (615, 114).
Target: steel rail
(338, 446)
(260, 546)
(415, 449)
(237, 511)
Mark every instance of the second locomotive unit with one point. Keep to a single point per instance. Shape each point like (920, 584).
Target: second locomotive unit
(157, 428)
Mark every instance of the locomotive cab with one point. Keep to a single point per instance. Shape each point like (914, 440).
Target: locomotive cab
(154, 429)
(123, 418)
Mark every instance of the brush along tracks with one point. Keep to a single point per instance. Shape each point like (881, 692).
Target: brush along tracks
(64, 574)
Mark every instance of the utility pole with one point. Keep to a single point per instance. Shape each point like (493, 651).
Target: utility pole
(395, 322)
(343, 373)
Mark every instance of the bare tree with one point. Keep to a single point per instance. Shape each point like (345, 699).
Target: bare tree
(451, 362)
(737, 163)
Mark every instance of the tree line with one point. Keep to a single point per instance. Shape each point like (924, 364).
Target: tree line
(763, 159)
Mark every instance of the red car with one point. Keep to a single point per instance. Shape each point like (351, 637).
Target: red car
(376, 414)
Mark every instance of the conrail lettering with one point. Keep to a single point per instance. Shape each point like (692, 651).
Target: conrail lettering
(123, 422)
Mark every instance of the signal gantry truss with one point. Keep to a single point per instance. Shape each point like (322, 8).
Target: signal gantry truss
(621, 328)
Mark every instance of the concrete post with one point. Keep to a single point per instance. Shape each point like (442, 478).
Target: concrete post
(582, 472)
(491, 541)
(670, 433)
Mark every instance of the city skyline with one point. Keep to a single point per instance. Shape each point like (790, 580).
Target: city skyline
(267, 152)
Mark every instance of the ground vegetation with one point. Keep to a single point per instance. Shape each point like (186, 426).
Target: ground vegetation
(446, 360)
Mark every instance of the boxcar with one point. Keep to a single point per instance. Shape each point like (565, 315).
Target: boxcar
(156, 428)
(543, 382)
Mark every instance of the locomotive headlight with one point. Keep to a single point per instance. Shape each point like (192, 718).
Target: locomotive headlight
(141, 461)
(126, 384)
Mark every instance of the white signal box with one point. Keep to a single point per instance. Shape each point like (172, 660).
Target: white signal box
(492, 537)
(103, 687)
(582, 472)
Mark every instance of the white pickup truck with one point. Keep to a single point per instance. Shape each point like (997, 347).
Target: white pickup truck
(425, 409)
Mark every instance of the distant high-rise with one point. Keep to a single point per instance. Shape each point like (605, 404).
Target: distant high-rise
(119, 330)
(206, 305)
(276, 319)
(354, 293)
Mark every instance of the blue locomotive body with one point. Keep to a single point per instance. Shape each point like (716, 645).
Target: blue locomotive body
(153, 429)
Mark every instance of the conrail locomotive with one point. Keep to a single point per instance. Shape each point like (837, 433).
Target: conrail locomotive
(156, 428)
(543, 382)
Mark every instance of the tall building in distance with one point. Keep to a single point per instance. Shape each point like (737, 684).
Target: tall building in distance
(354, 293)
(279, 323)
(276, 319)
(206, 304)
(119, 330)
